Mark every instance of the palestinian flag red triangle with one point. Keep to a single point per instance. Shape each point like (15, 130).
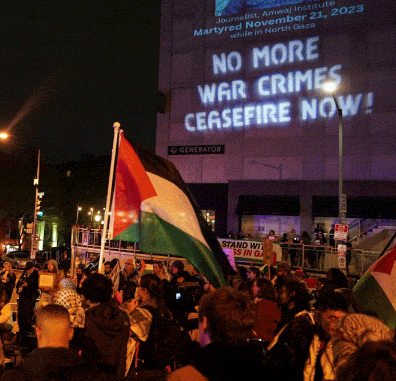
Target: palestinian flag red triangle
(385, 263)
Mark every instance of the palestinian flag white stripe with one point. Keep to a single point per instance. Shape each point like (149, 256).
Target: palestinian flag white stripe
(172, 205)
(375, 292)
(387, 283)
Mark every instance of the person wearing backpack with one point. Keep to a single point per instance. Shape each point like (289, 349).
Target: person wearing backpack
(157, 342)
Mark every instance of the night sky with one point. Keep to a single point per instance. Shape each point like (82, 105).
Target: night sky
(70, 69)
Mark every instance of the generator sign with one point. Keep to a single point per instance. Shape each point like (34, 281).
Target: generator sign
(250, 251)
(196, 150)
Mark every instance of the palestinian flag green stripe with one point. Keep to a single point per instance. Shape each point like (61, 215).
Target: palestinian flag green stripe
(130, 234)
(169, 225)
(372, 300)
(167, 239)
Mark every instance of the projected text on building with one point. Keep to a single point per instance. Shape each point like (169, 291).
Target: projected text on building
(268, 98)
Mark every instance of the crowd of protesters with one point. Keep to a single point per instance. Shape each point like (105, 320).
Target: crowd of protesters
(130, 324)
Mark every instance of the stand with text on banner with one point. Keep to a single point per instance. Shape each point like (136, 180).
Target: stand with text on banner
(249, 251)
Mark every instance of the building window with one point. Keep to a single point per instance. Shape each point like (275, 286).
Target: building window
(209, 216)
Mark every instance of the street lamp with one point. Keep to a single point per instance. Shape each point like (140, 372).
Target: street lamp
(79, 208)
(331, 87)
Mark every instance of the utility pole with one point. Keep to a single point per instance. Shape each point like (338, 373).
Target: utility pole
(341, 196)
(37, 202)
(330, 87)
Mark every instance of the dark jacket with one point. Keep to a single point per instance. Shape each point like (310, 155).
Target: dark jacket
(53, 364)
(222, 361)
(31, 290)
(180, 274)
(286, 359)
(128, 284)
(106, 336)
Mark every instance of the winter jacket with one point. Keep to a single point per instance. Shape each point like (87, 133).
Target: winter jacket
(106, 336)
(49, 364)
(223, 361)
(288, 353)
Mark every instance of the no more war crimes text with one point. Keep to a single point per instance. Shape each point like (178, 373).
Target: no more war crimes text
(273, 84)
(269, 55)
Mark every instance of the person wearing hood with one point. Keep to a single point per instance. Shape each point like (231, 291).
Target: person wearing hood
(48, 292)
(107, 326)
(53, 360)
(178, 274)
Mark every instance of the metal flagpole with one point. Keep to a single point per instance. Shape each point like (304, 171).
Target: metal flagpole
(33, 248)
(116, 126)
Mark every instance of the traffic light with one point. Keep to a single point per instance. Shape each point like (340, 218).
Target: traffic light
(39, 212)
(39, 197)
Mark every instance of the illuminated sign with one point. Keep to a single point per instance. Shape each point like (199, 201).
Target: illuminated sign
(196, 150)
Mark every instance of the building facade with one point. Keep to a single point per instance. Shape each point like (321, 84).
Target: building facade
(245, 109)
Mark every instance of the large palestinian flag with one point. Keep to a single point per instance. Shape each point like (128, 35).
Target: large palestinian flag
(153, 206)
(375, 292)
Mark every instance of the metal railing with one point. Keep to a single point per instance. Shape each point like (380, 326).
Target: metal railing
(86, 247)
(322, 258)
(362, 227)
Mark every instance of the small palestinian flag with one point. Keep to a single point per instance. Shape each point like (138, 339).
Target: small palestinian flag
(153, 206)
(375, 292)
